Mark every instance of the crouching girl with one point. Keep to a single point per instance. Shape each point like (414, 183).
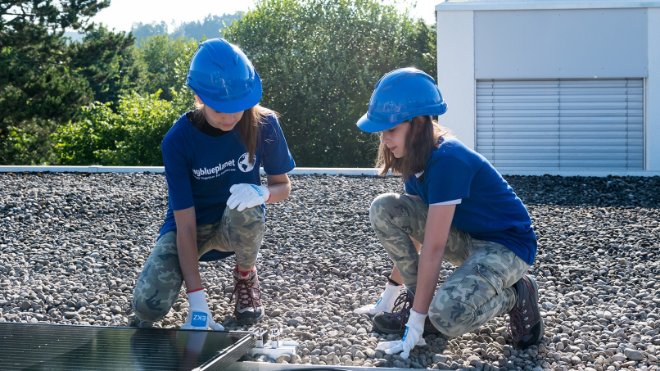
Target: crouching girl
(459, 207)
(212, 157)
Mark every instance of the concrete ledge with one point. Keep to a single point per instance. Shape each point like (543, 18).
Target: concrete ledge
(80, 169)
(160, 169)
(297, 171)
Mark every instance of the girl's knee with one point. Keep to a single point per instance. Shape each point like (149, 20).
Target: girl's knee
(452, 318)
(381, 204)
(157, 287)
(247, 216)
(149, 309)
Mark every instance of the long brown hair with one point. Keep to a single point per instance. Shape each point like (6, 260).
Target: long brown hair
(248, 125)
(423, 135)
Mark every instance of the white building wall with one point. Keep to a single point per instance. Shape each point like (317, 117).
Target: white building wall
(551, 44)
(653, 92)
(456, 73)
(624, 42)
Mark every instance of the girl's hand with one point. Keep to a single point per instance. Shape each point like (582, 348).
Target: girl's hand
(244, 196)
(199, 316)
(411, 338)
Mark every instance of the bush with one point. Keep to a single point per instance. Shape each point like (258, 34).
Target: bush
(27, 143)
(131, 136)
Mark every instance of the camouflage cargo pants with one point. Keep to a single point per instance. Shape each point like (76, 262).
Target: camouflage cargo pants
(160, 281)
(478, 290)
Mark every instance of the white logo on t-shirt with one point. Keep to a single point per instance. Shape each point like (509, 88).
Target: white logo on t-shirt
(244, 163)
(214, 172)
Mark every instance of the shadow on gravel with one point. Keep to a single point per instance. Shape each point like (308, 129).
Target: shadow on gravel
(611, 191)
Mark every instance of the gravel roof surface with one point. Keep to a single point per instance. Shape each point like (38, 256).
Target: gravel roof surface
(72, 246)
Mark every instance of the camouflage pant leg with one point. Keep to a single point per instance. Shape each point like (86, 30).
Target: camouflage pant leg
(160, 281)
(478, 290)
(396, 218)
(241, 232)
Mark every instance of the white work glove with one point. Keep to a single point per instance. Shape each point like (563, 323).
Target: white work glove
(384, 304)
(244, 196)
(199, 316)
(411, 337)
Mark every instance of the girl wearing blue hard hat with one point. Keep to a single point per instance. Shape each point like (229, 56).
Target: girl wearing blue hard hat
(460, 209)
(212, 157)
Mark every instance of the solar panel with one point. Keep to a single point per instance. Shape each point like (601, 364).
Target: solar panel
(66, 347)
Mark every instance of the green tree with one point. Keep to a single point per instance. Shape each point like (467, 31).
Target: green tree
(37, 84)
(109, 62)
(142, 31)
(166, 62)
(320, 59)
(210, 27)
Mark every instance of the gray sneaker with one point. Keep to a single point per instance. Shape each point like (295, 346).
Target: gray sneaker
(526, 322)
(395, 322)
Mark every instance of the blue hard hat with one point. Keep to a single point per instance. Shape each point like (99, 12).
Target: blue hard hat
(399, 96)
(223, 77)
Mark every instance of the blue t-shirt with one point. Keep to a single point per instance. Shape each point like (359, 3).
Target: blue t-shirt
(201, 168)
(487, 208)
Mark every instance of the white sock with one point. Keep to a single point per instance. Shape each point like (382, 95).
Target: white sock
(387, 298)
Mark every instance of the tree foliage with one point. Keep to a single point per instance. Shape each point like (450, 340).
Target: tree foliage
(209, 27)
(27, 143)
(36, 79)
(109, 63)
(131, 135)
(143, 31)
(167, 61)
(320, 60)
(108, 99)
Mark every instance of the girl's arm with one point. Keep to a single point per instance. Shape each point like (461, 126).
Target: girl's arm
(279, 187)
(186, 245)
(438, 224)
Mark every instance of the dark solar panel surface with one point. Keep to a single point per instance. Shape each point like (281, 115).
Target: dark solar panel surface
(60, 347)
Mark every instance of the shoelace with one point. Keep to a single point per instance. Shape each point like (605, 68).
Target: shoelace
(249, 294)
(519, 320)
(405, 301)
(519, 323)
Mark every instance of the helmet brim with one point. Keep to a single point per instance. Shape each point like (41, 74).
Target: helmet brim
(365, 123)
(370, 126)
(238, 104)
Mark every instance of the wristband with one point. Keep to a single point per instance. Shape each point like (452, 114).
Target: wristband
(195, 290)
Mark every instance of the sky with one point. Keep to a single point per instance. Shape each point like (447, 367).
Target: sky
(122, 14)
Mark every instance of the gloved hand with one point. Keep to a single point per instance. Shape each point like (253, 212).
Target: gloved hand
(244, 196)
(411, 337)
(384, 304)
(199, 316)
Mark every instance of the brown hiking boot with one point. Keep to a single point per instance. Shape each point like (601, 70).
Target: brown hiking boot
(395, 322)
(247, 294)
(526, 322)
